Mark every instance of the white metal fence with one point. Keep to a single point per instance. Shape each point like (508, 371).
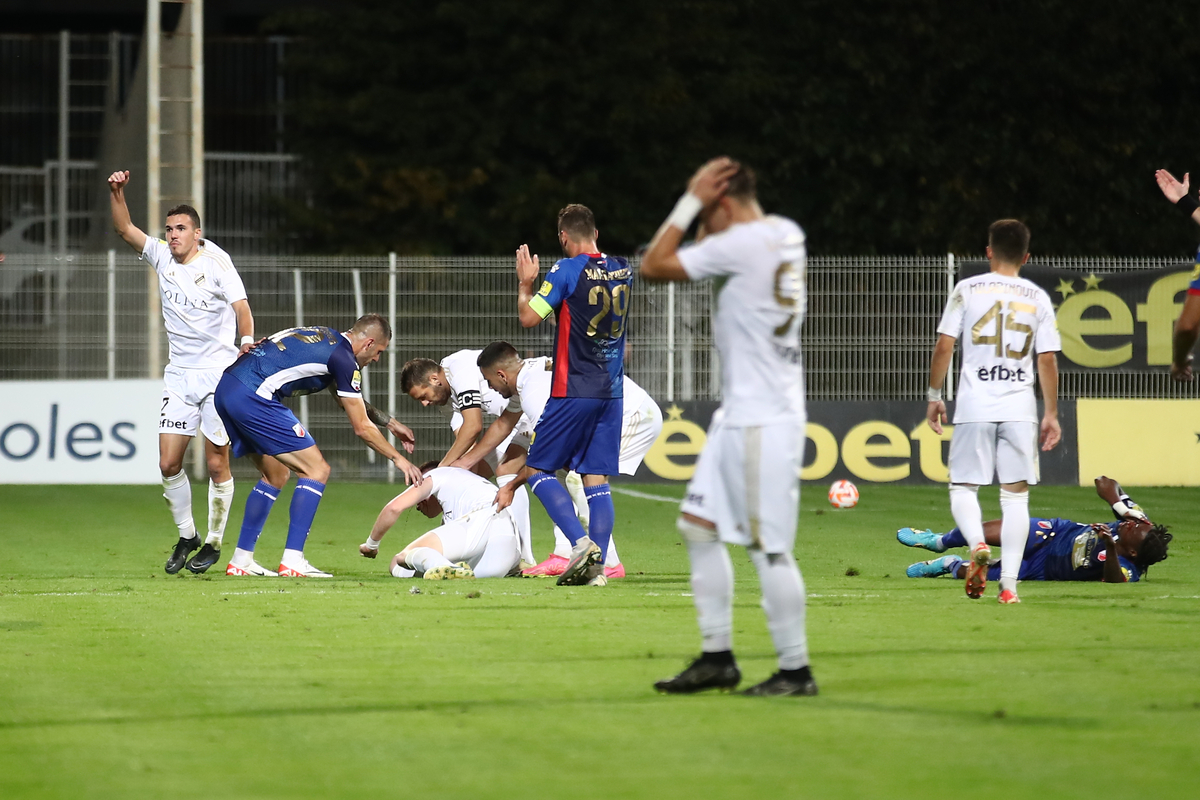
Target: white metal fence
(868, 335)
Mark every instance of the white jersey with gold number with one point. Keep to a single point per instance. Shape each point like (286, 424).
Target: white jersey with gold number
(760, 307)
(1001, 321)
(197, 304)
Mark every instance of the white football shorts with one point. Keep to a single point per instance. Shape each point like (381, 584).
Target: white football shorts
(980, 451)
(747, 482)
(639, 432)
(187, 401)
(467, 539)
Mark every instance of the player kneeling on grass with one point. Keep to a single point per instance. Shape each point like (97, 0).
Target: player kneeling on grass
(474, 541)
(1059, 549)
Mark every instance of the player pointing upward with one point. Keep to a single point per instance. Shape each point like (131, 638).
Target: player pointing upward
(203, 305)
(746, 488)
(995, 420)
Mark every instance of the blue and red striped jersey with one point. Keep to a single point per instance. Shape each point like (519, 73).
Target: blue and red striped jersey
(590, 296)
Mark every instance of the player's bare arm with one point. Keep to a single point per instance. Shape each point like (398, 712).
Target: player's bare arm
(1051, 431)
(409, 498)
(705, 189)
(1175, 191)
(356, 412)
(465, 436)
(496, 433)
(122, 223)
(402, 432)
(504, 496)
(245, 325)
(527, 272)
(1112, 564)
(939, 366)
(1111, 492)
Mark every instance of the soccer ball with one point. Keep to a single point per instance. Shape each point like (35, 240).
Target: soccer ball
(843, 494)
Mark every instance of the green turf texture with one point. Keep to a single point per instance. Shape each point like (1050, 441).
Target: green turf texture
(117, 680)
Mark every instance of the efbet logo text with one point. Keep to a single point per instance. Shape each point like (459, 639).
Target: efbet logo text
(1000, 372)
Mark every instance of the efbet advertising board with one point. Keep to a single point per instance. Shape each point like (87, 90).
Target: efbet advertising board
(861, 441)
(1120, 321)
(79, 431)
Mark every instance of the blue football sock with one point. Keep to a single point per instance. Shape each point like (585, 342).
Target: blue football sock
(602, 515)
(954, 539)
(557, 501)
(258, 507)
(305, 500)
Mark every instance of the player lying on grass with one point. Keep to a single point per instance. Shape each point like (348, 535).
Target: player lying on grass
(527, 385)
(455, 387)
(1059, 549)
(474, 541)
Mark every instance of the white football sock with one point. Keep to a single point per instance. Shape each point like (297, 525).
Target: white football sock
(712, 593)
(177, 491)
(499, 555)
(220, 498)
(519, 511)
(293, 558)
(964, 507)
(1014, 532)
(241, 558)
(423, 559)
(562, 546)
(783, 600)
(574, 484)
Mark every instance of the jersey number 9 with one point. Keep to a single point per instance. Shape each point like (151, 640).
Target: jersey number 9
(616, 301)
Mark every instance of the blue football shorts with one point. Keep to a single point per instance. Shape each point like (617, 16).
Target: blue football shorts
(258, 424)
(582, 434)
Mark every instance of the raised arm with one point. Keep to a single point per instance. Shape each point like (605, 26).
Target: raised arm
(1177, 193)
(661, 260)
(1047, 366)
(1187, 327)
(122, 224)
(496, 433)
(943, 351)
(1122, 504)
(527, 272)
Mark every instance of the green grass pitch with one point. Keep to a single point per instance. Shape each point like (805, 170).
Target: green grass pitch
(118, 681)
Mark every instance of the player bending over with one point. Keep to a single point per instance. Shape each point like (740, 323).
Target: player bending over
(580, 428)
(203, 306)
(456, 387)
(1059, 549)
(474, 541)
(527, 384)
(746, 488)
(996, 430)
(291, 363)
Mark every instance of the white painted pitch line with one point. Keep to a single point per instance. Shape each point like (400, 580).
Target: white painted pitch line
(645, 495)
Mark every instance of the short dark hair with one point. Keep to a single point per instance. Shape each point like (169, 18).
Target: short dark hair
(496, 353)
(1009, 240)
(377, 321)
(578, 221)
(1153, 548)
(743, 185)
(185, 209)
(428, 465)
(416, 373)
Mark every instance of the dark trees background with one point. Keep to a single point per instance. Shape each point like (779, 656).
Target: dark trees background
(882, 127)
